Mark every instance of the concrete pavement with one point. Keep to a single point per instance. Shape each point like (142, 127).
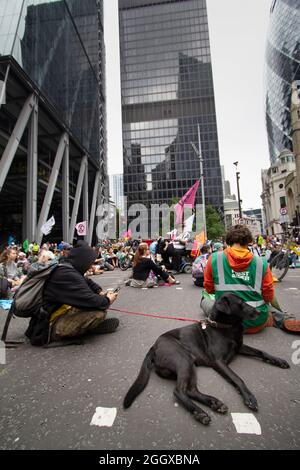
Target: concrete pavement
(49, 396)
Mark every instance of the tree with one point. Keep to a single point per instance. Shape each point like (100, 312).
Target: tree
(214, 226)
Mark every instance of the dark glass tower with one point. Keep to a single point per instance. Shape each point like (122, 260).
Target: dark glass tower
(282, 68)
(167, 90)
(54, 50)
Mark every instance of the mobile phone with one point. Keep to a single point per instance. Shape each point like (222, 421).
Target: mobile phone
(116, 290)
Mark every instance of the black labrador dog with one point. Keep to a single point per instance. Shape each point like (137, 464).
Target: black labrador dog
(213, 343)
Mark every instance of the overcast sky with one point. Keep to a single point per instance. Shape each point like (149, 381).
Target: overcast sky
(238, 32)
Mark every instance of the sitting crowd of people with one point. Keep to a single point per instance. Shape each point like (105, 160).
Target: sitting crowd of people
(74, 305)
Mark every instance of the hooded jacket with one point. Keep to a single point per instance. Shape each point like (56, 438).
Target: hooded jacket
(67, 284)
(239, 260)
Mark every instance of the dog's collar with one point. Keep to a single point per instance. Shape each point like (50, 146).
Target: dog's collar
(214, 324)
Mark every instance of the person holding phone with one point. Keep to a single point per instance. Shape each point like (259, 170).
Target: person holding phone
(73, 303)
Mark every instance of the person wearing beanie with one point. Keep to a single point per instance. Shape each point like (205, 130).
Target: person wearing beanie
(74, 303)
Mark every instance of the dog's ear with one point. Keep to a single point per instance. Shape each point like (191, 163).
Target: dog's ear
(223, 305)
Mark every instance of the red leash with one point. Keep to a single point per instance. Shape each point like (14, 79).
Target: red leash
(155, 315)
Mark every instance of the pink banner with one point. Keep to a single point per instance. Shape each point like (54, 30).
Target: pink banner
(188, 200)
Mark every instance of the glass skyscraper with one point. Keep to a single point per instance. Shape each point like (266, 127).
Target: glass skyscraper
(167, 90)
(54, 50)
(282, 69)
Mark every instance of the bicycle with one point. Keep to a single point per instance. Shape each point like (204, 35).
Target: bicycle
(280, 264)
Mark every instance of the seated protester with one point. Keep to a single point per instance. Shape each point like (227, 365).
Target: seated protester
(75, 304)
(153, 249)
(176, 249)
(101, 262)
(121, 255)
(9, 269)
(142, 266)
(199, 265)
(64, 251)
(22, 263)
(34, 254)
(217, 246)
(255, 249)
(238, 271)
(45, 258)
(111, 258)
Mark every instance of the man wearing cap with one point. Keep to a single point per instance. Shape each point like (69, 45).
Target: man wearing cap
(64, 251)
(237, 270)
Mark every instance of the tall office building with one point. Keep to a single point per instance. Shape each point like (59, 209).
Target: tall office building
(282, 69)
(167, 90)
(117, 190)
(52, 66)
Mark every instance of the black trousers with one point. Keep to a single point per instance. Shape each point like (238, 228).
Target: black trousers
(176, 255)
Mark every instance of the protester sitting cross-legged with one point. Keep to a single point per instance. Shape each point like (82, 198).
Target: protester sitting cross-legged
(9, 269)
(237, 270)
(142, 266)
(75, 304)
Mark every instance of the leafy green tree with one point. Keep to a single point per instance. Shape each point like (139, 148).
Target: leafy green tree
(215, 228)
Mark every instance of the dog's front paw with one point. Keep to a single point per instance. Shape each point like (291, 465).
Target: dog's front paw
(222, 409)
(202, 417)
(219, 407)
(251, 402)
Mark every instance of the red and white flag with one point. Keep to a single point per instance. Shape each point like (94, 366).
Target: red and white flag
(81, 228)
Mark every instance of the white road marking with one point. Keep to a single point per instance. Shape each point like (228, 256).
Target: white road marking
(179, 288)
(246, 423)
(104, 417)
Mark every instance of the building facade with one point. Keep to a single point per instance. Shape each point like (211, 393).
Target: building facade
(276, 196)
(282, 69)
(167, 90)
(117, 190)
(52, 116)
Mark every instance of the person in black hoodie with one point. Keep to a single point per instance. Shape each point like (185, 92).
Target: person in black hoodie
(75, 305)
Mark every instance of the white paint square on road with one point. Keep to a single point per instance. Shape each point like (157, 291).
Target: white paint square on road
(246, 423)
(104, 416)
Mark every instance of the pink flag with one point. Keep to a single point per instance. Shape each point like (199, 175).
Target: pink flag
(127, 234)
(81, 228)
(187, 200)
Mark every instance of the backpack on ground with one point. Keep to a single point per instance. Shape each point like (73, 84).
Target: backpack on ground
(198, 268)
(4, 284)
(28, 303)
(4, 288)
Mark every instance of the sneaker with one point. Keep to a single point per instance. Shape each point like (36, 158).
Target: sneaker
(292, 326)
(107, 326)
(127, 282)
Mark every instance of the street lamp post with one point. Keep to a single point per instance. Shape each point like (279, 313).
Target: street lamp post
(238, 189)
(199, 154)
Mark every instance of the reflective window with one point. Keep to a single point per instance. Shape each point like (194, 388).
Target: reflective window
(167, 90)
(56, 43)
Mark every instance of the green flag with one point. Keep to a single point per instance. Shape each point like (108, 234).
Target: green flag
(26, 246)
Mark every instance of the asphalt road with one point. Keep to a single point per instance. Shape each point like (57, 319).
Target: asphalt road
(49, 396)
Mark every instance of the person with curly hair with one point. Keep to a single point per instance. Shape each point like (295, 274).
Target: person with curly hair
(239, 271)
